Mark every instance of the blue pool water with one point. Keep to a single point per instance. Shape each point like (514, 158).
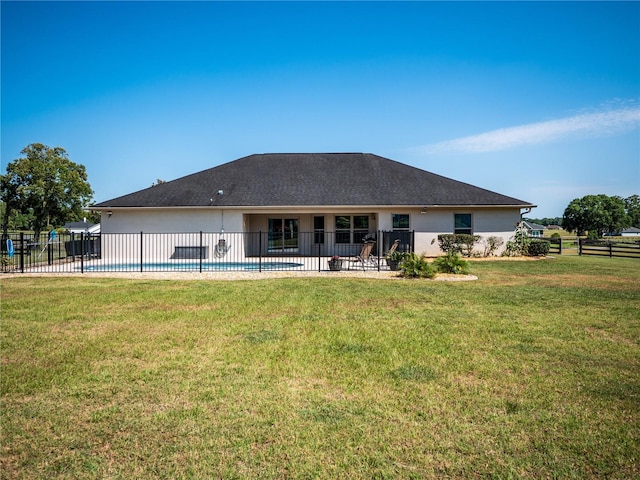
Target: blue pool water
(190, 267)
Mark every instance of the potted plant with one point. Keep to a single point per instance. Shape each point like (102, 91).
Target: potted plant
(394, 259)
(335, 263)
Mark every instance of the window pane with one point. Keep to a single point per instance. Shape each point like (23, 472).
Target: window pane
(283, 234)
(290, 231)
(343, 237)
(343, 221)
(361, 222)
(400, 221)
(318, 227)
(275, 233)
(358, 235)
(462, 223)
(462, 220)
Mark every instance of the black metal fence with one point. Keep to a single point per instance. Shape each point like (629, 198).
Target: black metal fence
(195, 251)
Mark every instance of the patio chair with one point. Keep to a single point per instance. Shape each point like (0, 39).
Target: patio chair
(365, 258)
(393, 247)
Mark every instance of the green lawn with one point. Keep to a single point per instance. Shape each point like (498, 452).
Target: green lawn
(533, 371)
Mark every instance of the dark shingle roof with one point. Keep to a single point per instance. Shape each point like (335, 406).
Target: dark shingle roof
(78, 225)
(533, 226)
(312, 179)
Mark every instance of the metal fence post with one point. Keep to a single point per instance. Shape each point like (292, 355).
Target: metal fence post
(141, 252)
(380, 246)
(260, 251)
(81, 252)
(201, 251)
(73, 247)
(22, 249)
(49, 250)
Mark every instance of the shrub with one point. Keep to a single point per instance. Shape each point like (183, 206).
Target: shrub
(538, 247)
(457, 243)
(448, 243)
(491, 244)
(416, 266)
(467, 242)
(451, 263)
(519, 243)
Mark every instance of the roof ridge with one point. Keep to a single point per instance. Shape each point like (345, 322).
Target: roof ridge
(313, 153)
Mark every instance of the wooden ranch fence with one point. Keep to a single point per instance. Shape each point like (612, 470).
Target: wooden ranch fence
(607, 248)
(563, 245)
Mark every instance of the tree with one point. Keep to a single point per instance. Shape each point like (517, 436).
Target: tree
(546, 221)
(632, 204)
(46, 184)
(597, 214)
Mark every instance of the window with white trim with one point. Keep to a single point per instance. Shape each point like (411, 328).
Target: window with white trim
(462, 223)
(351, 228)
(400, 222)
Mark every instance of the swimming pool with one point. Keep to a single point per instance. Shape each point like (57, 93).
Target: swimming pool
(190, 266)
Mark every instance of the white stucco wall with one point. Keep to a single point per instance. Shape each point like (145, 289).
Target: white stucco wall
(171, 221)
(122, 239)
(486, 222)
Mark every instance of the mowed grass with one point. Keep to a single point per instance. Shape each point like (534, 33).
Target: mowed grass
(533, 371)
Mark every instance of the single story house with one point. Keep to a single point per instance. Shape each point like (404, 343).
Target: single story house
(630, 232)
(312, 203)
(533, 229)
(82, 227)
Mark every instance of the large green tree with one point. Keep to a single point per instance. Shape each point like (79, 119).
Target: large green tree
(597, 214)
(46, 184)
(632, 204)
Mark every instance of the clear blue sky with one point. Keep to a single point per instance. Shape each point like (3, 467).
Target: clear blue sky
(540, 101)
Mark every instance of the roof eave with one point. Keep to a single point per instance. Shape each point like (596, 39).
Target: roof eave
(311, 207)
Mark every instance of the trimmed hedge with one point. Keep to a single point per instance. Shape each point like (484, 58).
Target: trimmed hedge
(538, 247)
(461, 243)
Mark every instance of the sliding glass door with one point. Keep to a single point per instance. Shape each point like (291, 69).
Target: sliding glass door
(283, 235)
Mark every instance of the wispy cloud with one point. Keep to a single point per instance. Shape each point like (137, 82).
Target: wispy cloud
(602, 123)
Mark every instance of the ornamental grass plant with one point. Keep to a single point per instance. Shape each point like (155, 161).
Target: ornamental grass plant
(451, 263)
